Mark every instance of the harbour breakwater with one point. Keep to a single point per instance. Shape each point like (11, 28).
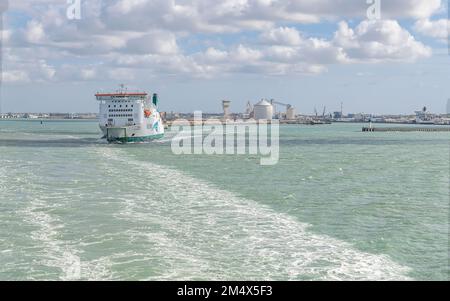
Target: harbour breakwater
(406, 129)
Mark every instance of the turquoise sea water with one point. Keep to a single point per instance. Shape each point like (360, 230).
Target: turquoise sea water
(341, 204)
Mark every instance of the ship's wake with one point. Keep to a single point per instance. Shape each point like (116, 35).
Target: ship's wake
(167, 225)
(204, 232)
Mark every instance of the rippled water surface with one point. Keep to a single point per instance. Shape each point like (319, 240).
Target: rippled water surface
(341, 204)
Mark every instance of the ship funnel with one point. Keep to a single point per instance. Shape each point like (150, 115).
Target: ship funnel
(155, 99)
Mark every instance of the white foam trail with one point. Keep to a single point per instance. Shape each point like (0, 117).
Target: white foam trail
(219, 236)
(60, 254)
(57, 254)
(178, 138)
(51, 250)
(2, 177)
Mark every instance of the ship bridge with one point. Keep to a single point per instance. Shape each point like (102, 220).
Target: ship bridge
(121, 96)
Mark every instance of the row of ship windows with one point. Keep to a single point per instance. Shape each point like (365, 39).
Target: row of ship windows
(126, 106)
(121, 115)
(112, 120)
(121, 110)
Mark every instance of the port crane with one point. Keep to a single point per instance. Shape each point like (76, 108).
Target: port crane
(323, 113)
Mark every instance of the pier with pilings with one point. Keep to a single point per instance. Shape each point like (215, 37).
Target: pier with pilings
(407, 129)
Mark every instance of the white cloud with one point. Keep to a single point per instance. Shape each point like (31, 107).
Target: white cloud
(155, 42)
(438, 29)
(125, 35)
(375, 41)
(245, 54)
(34, 32)
(5, 35)
(88, 73)
(282, 36)
(214, 55)
(46, 71)
(127, 6)
(14, 76)
(17, 70)
(415, 8)
(345, 36)
(282, 53)
(121, 74)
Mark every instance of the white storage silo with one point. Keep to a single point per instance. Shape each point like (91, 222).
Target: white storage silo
(290, 113)
(263, 110)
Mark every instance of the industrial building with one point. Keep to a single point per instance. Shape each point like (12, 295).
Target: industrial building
(263, 110)
(226, 108)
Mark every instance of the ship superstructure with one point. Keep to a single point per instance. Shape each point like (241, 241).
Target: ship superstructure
(129, 116)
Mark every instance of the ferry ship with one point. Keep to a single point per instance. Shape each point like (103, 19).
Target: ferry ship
(129, 116)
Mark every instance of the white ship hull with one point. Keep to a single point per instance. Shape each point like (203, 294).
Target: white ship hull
(130, 133)
(129, 117)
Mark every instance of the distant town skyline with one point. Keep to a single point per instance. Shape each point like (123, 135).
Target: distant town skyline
(196, 53)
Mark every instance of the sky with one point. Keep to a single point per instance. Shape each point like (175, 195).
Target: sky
(311, 54)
